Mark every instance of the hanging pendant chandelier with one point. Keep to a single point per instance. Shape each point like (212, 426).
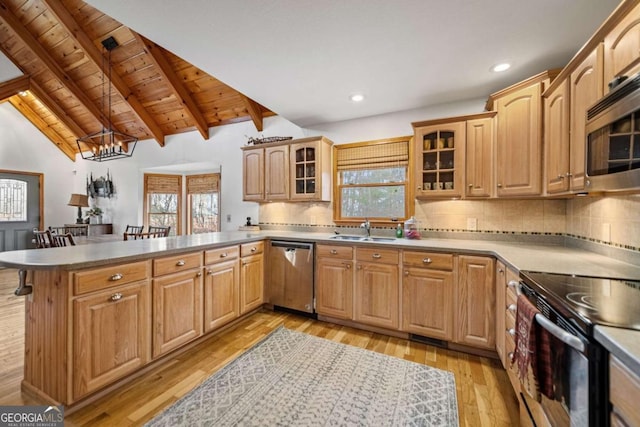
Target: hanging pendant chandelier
(107, 144)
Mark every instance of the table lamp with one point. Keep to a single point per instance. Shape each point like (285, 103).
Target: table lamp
(81, 201)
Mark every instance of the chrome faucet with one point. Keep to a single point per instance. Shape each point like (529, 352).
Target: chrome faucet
(367, 227)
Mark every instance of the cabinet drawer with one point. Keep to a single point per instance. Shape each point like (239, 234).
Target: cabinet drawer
(509, 323)
(624, 391)
(252, 248)
(214, 256)
(428, 259)
(331, 251)
(101, 278)
(386, 256)
(510, 297)
(176, 263)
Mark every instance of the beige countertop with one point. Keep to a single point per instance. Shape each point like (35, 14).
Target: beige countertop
(520, 256)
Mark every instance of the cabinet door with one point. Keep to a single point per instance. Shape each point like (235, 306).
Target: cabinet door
(427, 302)
(622, 47)
(501, 284)
(276, 172)
(251, 283)
(376, 295)
(518, 142)
(586, 89)
(177, 310)
(479, 158)
(334, 288)
(221, 294)
(476, 302)
(556, 130)
(111, 335)
(305, 162)
(439, 160)
(253, 175)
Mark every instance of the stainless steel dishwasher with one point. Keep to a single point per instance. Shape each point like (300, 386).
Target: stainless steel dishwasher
(290, 280)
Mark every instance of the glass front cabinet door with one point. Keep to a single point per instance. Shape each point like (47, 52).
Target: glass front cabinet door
(310, 173)
(439, 164)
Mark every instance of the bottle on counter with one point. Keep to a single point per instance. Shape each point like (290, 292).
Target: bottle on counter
(399, 231)
(411, 230)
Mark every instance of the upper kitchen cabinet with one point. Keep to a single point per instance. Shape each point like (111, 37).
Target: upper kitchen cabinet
(622, 47)
(439, 157)
(294, 170)
(519, 136)
(556, 138)
(586, 88)
(480, 156)
(310, 163)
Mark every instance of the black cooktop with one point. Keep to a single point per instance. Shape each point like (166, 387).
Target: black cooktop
(589, 301)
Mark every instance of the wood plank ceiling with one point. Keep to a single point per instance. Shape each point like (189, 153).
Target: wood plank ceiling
(57, 44)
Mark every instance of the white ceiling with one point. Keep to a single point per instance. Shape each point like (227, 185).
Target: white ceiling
(304, 58)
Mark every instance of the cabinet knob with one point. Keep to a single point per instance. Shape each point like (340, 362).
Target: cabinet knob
(500, 271)
(511, 332)
(512, 308)
(376, 256)
(427, 260)
(499, 185)
(180, 263)
(347, 265)
(333, 252)
(359, 267)
(560, 176)
(253, 249)
(569, 174)
(116, 297)
(510, 355)
(470, 185)
(199, 274)
(116, 277)
(406, 272)
(419, 188)
(223, 255)
(210, 272)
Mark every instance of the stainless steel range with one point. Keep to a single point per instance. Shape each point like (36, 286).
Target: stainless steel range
(571, 306)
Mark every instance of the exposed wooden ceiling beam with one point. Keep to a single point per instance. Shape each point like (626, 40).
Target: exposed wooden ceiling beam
(13, 87)
(93, 53)
(176, 85)
(56, 109)
(254, 111)
(41, 53)
(49, 132)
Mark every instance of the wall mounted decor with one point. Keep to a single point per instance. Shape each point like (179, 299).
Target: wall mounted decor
(100, 187)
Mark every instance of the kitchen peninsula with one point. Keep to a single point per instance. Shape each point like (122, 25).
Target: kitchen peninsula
(100, 313)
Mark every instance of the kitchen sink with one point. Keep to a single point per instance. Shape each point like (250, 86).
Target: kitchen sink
(363, 239)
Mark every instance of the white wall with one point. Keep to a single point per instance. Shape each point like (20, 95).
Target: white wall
(23, 147)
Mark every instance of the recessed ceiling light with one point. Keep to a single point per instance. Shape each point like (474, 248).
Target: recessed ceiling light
(357, 97)
(504, 66)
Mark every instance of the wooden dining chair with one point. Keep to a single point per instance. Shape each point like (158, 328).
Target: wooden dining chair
(77, 230)
(160, 231)
(147, 235)
(57, 230)
(134, 228)
(64, 239)
(43, 239)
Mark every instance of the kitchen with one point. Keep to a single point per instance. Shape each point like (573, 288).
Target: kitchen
(584, 218)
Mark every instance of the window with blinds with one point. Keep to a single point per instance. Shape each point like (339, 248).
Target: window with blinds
(203, 196)
(163, 201)
(372, 180)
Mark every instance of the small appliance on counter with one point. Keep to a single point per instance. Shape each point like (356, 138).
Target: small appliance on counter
(248, 226)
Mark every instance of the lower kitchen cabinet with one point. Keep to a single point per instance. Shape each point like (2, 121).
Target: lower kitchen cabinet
(475, 302)
(427, 294)
(501, 284)
(251, 276)
(376, 290)
(221, 289)
(177, 310)
(624, 394)
(334, 287)
(111, 335)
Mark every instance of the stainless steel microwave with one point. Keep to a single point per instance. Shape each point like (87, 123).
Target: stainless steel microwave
(613, 139)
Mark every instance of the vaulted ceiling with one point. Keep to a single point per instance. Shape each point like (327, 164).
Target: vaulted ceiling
(58, 46)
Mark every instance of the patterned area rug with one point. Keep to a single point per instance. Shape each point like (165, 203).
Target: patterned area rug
(291, 378)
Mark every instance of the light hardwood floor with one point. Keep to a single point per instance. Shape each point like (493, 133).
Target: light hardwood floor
(485, 396)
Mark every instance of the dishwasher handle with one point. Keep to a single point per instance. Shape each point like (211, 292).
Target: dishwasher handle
(291, 245)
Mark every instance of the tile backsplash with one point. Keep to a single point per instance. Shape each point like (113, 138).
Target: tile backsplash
(613, 220)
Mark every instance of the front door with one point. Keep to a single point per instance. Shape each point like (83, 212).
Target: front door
(19, 209)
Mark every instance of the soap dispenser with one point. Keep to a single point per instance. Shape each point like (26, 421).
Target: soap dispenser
(411, 229)
(399, 231)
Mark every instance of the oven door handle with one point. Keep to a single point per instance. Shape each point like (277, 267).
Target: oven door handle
(564, 336)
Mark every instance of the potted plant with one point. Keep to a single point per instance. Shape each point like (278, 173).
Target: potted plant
(94, 215)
